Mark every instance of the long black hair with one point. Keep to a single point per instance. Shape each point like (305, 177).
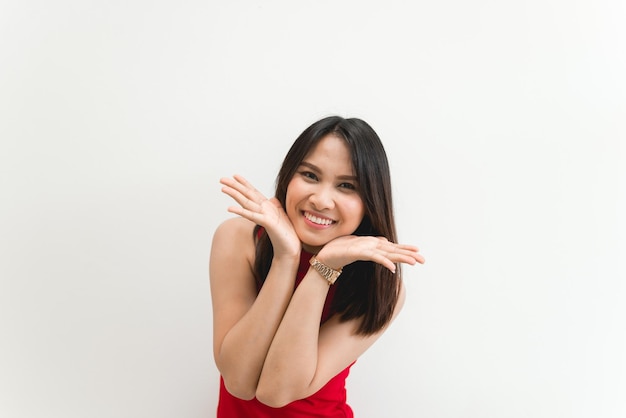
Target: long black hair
(365, 290)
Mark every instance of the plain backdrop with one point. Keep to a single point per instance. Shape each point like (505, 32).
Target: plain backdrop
(504, 123)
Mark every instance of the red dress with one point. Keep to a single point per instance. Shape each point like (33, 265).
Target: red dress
(328, 402)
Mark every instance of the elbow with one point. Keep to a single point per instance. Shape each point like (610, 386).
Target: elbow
(280, 390)
(272, 400)
(273, 397)
(238, 382)
(239, 390)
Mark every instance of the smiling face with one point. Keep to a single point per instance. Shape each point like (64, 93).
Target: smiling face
(323, 201)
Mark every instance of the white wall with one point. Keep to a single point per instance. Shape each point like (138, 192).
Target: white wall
(504, 123)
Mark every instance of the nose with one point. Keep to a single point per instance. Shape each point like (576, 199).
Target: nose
(322, 198)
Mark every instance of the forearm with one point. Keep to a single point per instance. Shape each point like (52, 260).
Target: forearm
(291, 361)
(244, 348)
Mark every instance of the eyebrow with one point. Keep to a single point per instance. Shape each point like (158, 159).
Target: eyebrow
(317, 169)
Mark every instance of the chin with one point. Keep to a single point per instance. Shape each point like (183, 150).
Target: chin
(312, 248)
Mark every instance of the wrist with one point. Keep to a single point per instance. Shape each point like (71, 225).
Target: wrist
(327, 258)
(286, 260)
(328, 273)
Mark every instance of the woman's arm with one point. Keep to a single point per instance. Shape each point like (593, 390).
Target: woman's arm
(244, 324)
(302, 357)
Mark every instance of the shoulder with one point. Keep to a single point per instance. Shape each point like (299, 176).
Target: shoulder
(234, 237)
(237, 226)
(235, 229)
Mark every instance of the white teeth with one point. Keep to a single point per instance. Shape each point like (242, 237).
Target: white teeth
(316, 220)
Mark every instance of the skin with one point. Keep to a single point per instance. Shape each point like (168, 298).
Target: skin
(271, 345)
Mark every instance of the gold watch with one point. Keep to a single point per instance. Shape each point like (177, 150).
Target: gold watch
(326, 272)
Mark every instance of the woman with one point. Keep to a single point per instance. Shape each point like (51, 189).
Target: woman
(303, 283)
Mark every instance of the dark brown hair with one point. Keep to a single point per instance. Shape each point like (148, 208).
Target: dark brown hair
(365, 289)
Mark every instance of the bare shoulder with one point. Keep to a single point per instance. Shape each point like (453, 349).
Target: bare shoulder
(235, 225)
(233, 243)
(233, 252)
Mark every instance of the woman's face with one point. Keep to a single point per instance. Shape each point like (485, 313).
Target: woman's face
(323, 200)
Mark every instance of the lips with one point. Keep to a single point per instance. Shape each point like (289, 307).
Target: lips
(318, 220)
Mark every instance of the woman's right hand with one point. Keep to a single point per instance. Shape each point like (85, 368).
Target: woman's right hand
(268, 213)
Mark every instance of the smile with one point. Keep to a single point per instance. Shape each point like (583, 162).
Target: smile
(318, 220)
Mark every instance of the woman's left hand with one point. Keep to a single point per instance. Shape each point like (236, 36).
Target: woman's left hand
(347, 249)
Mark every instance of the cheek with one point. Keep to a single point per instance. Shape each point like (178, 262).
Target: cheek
(291, 197)
(356, 208)
(288, 205)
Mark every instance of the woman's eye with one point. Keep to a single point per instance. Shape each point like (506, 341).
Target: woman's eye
(348, 186)
(308, 175)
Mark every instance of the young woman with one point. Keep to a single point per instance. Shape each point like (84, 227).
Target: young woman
(304, 282)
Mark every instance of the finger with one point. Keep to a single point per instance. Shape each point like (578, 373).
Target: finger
(391, 248)
(241, 179)
(255, 217)
(406, 256)
(408, 247)
(245, 188)
(244, 197)
(405, 259)
(384, 261)
(238, 196)
(410, 255)
(383, 241)
(391, 260)
(252, 192)
(411, 251)
(404, 250)
(401, 254)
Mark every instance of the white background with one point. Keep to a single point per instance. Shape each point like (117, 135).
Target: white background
(505, 126)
